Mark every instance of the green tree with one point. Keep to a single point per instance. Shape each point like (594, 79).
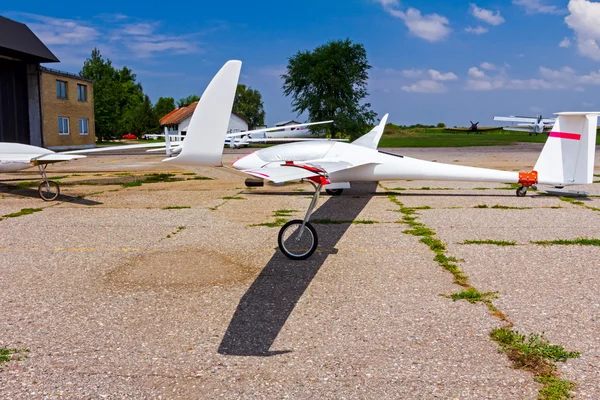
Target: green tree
(186, 101)
(440, 125)
(248, 103)
(330, 82)
(163, 106)
(117, 96)
(143, 118)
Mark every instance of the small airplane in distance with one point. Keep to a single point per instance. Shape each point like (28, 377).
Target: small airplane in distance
(532, 125)
(566, 159)
(474, 128)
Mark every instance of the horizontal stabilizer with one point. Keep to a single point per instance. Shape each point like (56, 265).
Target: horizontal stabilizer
(54, 158)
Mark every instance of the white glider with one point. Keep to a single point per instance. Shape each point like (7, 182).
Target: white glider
(566, 159)
(531, 125)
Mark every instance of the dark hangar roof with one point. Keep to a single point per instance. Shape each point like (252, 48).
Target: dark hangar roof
(18, 41)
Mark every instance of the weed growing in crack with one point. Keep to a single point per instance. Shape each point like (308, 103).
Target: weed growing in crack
(7, 354)
(489, 241)
(473, 296)
(534, 353)
(24, 211)
(574, 242)
(283, 213)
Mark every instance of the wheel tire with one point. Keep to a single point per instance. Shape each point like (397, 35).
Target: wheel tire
(48, 195)
(284, 241)
(334, 192)
(521, 192)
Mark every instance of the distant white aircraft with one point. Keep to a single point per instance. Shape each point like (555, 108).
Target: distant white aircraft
(566, 159)
(532, 125)
(245, 138)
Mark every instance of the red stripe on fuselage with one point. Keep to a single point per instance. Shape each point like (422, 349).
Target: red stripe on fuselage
(566, 135)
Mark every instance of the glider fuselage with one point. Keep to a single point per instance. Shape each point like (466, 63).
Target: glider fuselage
(374, 165)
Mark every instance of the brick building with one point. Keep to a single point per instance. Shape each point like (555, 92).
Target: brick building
(67, 110)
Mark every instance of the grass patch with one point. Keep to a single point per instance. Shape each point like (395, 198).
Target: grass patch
(571, 200)
(199, 178)
(555, 388)
(480, 188)
(420, 231)
(434, 188)
(233, 198)
(509, 186)
(7, 354)
(574, 242)
(24, 211)
(532, 353)
(398, 189)
(276, 223)
(175, 207)
(473, 296)
(283, 213)
(488, 241)
(499, 207)
(481, 206)
(189, 173)
(150, 178)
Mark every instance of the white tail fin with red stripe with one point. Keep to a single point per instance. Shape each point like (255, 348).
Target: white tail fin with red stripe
(568, 155)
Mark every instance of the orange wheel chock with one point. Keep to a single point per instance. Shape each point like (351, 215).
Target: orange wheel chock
(528, 178)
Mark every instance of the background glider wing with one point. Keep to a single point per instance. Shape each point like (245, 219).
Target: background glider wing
(54, 158)
(280, 173)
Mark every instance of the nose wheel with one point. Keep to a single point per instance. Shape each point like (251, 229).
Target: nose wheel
(298, 239)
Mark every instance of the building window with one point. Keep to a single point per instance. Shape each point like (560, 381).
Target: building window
(81, 92)
(83, 126)
(61, 89)
(63, 125)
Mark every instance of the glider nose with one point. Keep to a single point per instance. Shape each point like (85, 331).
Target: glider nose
(250, 161)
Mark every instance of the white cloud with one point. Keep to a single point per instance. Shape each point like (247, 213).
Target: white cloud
(487, 66)
(475, 72)
(116, 35)
(441, 76)
(430, 27)
(481, 85)
(583, 20)
(412, 73)
(566, 42)
(425, 86)
(58, 31)
(478, 30)
(487, 16)
(538, 7)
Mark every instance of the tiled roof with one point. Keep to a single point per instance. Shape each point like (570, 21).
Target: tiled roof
(178, 115)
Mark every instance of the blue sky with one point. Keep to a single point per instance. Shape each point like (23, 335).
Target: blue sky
(433, 60)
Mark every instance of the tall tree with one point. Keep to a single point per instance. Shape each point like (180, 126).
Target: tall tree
(186, 101)
(163, 106)
(248, 103)
(116, 95)
(330, 82)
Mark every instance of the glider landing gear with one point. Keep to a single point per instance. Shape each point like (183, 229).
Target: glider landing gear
(334, 192)
(522, 191)
(48, 190)
(298, 239)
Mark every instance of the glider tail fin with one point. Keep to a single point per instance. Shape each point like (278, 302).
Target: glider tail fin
(568, 155)
(371, 139)
(206, 133)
